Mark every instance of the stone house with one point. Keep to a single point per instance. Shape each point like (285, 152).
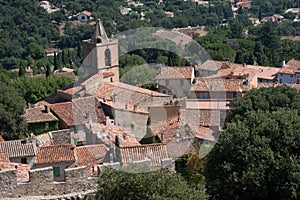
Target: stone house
(290, 73)
(40, 120)
(84, 16)
(59, 157)
(175, 81)
(19, 151)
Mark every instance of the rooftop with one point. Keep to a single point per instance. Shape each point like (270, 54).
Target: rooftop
(38, 114)
(17, 149)
(155, 152)
(55, 154)
(184, 72)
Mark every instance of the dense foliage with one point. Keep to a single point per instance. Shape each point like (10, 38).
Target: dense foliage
(258, 154)
(12, 124)
(115, 184)
(33, 89)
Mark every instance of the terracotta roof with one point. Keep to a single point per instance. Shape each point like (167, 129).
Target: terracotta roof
(124, 133)
(107, 74)
(126, 93)
(293, 38)
(38, 114)
(286, 71)
(86, 13)
(66, 74)
(294, 65)
(204, 133)
(174, 36)
(44, 139)
(176, 72)
(91, 155)
(16, 149)
(4, 157)
(55, 154)
(78, 111)
(209, 85)
(181, 147)
(156, 152)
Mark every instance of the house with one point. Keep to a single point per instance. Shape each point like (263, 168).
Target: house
(242, 3)
(59, 157)
(127, 115)
(273, 18)
(290, 72)
(22, 169)
(91, 156)
(52, 51)
(169, 14)
(124, 10)
(174, 36)
(75, 113)
(84, 16)
(192, 31)
(175, 81)
(206, 88)
(19, 151)
(40, 119)
(254, 21)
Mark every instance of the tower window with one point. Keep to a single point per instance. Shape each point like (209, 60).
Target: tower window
(107, 57)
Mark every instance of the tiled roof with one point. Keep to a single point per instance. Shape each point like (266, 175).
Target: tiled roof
(156, 152)
(294, 65)
(181, 147)
(207, 85)
(38, 114)
(16, 149)
(126, 93)
(44, 139)
(55, 154)
(124, 133)
(78, 111)
(91, 155)
(286, 71)
(4, 157)
(204, 133)
(184, 72)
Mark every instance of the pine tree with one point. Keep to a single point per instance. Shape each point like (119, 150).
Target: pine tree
(48, 70)
(55, 62)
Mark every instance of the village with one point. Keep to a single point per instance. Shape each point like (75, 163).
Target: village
(99, 121)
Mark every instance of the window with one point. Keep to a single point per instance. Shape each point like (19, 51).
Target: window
(24, 160)
(107, 57)
(203, 95)
(182, 82)
(56, 171)
(111, 79)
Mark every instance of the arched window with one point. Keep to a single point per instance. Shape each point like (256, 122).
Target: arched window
(107, 57)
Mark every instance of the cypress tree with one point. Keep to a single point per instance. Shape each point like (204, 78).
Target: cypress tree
(55, 62)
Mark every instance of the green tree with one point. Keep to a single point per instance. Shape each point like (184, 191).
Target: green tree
(115, 184)
(257, 156)
(12, 123)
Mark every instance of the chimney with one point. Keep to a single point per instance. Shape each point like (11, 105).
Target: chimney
(47, 108)
(283, 63)
(126, 106)
(244, 65)
(113, 97)
(134, 107)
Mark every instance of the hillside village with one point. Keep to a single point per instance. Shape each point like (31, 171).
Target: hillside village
(99, 121)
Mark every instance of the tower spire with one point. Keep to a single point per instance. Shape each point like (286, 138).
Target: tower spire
(100, 34)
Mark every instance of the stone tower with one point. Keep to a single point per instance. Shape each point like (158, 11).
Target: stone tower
(100, 54)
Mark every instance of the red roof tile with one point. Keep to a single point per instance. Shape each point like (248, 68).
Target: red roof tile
(38, 114)
(155, 152)
(55, 154)
(207, 85)
(78, 111)
(17, 149)
(184, 72)
(4, 157)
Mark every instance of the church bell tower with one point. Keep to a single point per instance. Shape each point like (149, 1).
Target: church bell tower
(100, 53)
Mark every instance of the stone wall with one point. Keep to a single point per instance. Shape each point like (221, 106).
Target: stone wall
(41, 183)
(76, 181)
